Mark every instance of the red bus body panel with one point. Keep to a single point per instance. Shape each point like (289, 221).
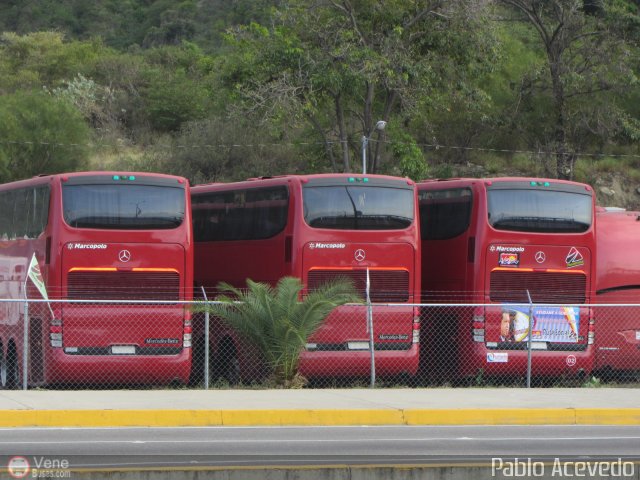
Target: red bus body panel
(460, 271)
(89, 330)
(301, 251)
(618, 282)
(81, 331)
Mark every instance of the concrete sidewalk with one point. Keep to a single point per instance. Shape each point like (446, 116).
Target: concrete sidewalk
(464, 406)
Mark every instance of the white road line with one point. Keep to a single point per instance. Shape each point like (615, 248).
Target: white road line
(322, 440)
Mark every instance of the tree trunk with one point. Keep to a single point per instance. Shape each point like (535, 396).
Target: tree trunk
(344, 144)
(327, 145)
(563, 164)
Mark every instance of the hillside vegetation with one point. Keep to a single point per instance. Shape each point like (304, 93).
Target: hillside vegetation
(227, 89)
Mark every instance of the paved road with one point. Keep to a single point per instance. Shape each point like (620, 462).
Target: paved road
(248, 446)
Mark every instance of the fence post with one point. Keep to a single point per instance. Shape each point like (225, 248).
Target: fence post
(371, 336)
(529, 337)
(206, 341)
(25, 345)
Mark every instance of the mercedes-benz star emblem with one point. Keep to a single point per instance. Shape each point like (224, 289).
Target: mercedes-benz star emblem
(124, 255)
(540, 257)
(359, 255)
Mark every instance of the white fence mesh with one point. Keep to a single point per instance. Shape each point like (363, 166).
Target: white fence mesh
(109, 344)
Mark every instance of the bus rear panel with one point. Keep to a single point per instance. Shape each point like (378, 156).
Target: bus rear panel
(334, 225)
(525, 245)
(115, 257)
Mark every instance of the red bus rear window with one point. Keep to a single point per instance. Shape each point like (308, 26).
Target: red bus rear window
(539, 210)
(126, 206)
(358, 208)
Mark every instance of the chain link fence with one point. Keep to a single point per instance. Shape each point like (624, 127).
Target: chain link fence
(147, 344)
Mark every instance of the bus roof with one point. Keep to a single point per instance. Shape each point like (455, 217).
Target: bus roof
(279, 179)
(43, 179)
(490, 180)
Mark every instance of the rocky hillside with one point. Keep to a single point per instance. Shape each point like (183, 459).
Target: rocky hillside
(615, 190)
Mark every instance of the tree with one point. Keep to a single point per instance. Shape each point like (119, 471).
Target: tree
(217, 150)
(44, 59)
(275, 320)
(584, 58)
(40, 134)
(175, 26)
(176, 90)
(343, 65)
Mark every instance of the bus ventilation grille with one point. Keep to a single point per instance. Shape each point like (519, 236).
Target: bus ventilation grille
(544, 287)
(386, 286)
(123, 286)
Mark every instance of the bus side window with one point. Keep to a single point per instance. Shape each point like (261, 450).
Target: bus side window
(6, 215)
(444, 214)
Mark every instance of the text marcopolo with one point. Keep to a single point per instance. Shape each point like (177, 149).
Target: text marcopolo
(87, 246)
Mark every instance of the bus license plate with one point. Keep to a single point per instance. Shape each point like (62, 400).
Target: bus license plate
(123, 350)
(358, 345)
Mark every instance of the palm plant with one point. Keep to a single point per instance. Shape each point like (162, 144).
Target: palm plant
(276, 321)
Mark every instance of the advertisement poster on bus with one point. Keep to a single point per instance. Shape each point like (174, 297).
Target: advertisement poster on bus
(550, 324)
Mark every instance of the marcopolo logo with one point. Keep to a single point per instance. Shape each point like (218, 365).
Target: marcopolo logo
(501, 248)
(86, 246)
(320, 245)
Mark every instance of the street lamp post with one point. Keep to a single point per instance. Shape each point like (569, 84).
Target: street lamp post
(365, 142)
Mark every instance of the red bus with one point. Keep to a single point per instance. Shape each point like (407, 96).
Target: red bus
(506, 241)
(318, 227)
(107, 245)
(618, 282)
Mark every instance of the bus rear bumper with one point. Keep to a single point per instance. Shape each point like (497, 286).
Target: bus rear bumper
(545, 363)
(120, 370)
(315, 364)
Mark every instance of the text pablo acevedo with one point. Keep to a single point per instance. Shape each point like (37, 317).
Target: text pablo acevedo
(527, 467)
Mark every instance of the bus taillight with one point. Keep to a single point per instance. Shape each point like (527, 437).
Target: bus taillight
(55, 333)
(592, 328)
(478, 325)
(187, 330)
(56, 339)
(416, 325)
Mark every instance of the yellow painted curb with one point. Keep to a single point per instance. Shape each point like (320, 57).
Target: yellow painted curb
(312, 417)
(328, 417)
(109, 418)
(608, 416)
(510, 416)
(524, 416)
